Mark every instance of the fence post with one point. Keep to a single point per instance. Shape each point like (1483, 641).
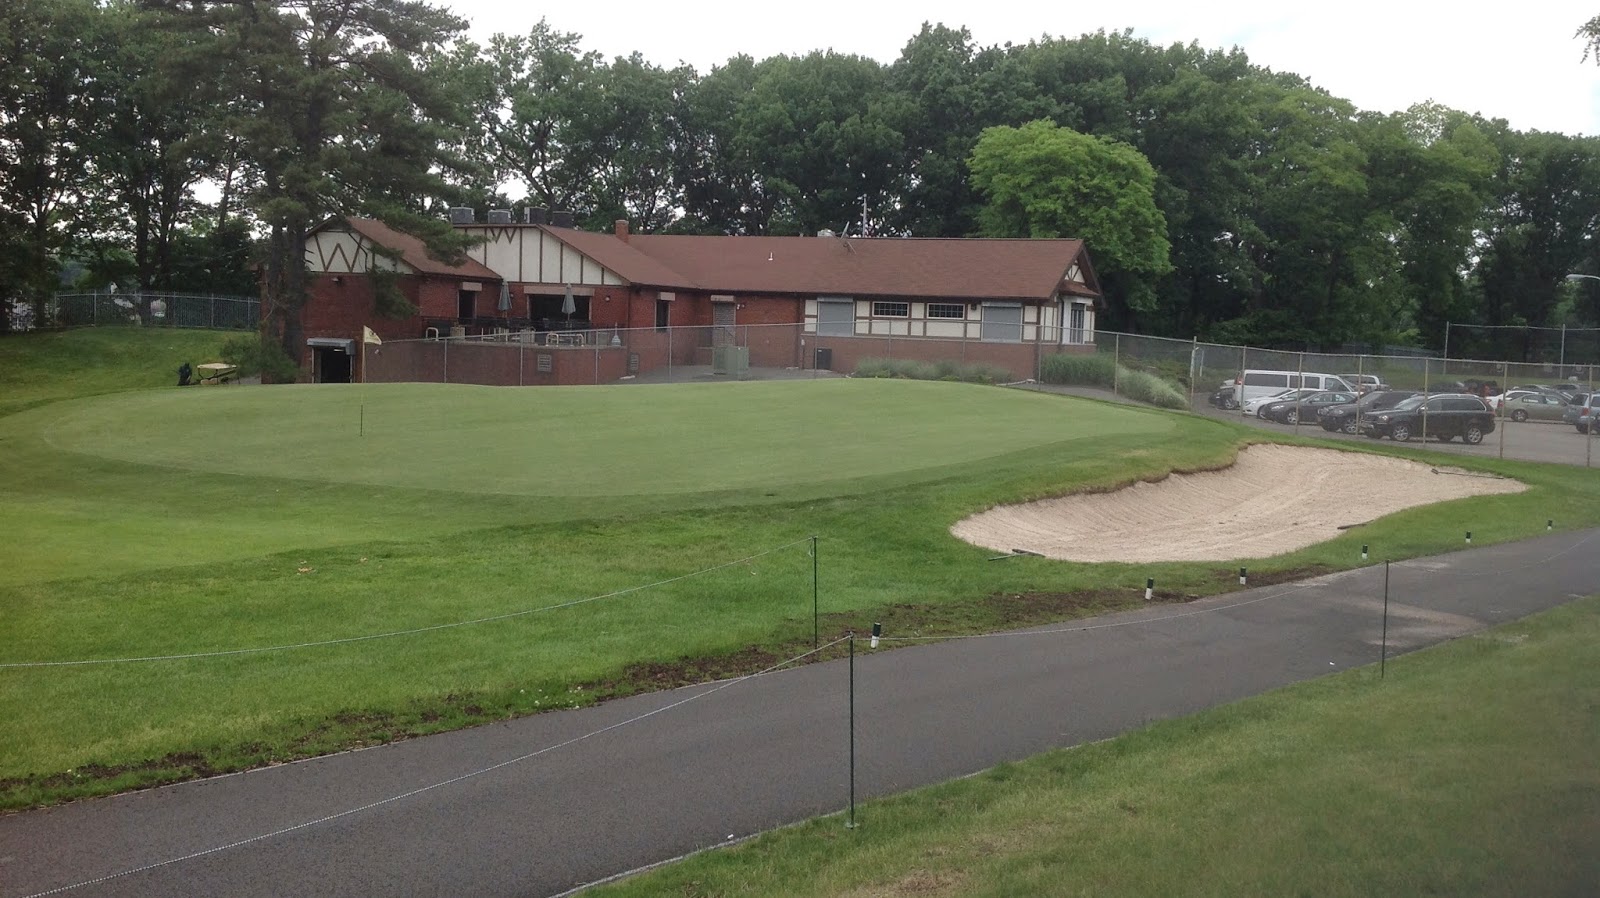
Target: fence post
(1301, 385)
(1194, 355)
(1116, 364)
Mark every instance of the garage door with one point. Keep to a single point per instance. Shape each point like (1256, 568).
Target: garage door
(1002, 322)
(836, 317)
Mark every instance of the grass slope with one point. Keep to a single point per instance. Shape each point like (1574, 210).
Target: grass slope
(1470, 770)
(45, 366)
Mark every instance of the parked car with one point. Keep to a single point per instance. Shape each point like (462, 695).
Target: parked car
(1444, 416)
(1225, 397)
(1254, 406)
(1345, 418)
(1529, 405)
(1575, 410)
(1580, 411)
(1292, 411)
(1256, 383)
(1365, 383)
(1480, 388)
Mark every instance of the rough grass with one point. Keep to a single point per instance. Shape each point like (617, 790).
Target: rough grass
(44, 366)
(1469, 771)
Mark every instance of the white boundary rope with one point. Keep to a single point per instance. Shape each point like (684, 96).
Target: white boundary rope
(442, 783)
(12, 665)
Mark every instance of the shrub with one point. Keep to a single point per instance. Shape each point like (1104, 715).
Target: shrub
(911, 369)
(1103, 371)
(1084, 370)
(1146, 387)
(259, 354)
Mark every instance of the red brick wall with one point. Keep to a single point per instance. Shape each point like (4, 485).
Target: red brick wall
(1020, 359)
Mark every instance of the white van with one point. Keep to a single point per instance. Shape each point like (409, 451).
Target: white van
(1254, 383)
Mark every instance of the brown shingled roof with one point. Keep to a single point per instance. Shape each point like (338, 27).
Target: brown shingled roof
(625, 259)
(955, 268)
(414, 252)
(855, 266)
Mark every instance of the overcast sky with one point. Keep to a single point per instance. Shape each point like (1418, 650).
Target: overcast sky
(1516, 61)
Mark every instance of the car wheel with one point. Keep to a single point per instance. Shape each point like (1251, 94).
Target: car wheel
(1292, 418)
(1400, 433)
(1350, 428)
(1582, 428)
(1519, 416)
(1474, 434)
(1230, 404)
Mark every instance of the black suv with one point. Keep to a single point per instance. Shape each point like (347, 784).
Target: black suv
(1446, 417)
(1345, 418)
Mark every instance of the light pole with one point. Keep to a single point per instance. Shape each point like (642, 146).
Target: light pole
(1572, 277)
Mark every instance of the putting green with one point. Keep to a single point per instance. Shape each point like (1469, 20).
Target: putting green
(580, 441)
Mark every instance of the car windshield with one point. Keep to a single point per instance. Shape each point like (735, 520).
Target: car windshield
(1407, 405)
(1368, 400)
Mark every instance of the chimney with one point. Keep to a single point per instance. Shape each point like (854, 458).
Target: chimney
(561, 219)
(622, 229)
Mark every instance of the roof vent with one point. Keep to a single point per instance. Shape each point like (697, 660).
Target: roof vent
(460, 215)
(536, 215)
(500, 216)
(561, 219)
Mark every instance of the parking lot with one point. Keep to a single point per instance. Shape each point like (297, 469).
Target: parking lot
(1526, 441)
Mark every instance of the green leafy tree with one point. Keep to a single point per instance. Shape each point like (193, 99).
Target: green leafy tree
(337, 112)
(1046, 181)
(52, 101)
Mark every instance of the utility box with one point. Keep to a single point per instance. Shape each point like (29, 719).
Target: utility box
(824, 359)
(731, 360)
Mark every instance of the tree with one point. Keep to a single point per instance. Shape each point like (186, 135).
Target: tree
(1045, 181)
(337, 113)
(52, 98)
(1590, 32)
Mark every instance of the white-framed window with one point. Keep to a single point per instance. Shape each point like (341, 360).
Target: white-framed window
(891, 310)
(947, 310)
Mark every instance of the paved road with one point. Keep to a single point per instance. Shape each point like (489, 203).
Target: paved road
(745, 756)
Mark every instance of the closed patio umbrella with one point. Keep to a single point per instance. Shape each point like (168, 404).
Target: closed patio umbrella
(568, 306)
(505, 297)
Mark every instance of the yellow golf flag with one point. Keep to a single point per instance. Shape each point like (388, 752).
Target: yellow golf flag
(367, 336)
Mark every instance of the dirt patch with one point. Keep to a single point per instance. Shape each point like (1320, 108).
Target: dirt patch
(1273, 499)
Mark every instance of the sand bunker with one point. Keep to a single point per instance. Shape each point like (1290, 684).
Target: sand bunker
(1274, 499)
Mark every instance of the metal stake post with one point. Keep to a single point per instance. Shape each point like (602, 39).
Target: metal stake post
(851, 824)
(1383, 657)
(816, 626)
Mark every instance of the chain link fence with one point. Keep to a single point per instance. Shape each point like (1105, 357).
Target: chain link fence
(148, 309)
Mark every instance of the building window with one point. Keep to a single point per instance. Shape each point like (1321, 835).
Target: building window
(663, 311)
(891, 310)
(946, 310)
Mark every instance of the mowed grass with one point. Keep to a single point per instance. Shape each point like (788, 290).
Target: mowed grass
(1470, 770)
(217, 519)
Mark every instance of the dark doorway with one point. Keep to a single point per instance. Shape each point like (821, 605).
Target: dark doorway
(466, 305)
(663, 312)
(332, 365)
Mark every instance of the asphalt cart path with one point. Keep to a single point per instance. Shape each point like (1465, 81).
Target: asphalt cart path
(541, 805)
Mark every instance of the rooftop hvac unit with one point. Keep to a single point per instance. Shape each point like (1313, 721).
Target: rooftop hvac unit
(537, 215)
(561, 219)
(500, 216)
(462, 215)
